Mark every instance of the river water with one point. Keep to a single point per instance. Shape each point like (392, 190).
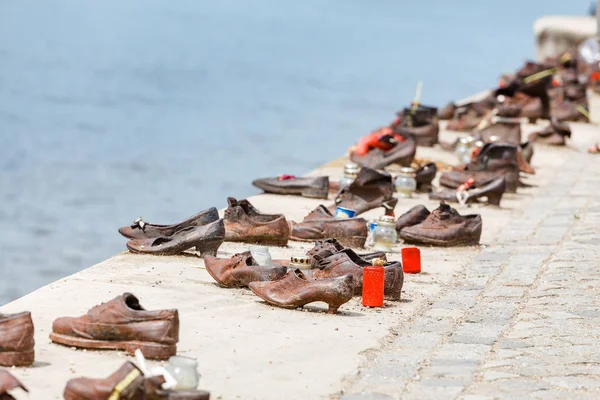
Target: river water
(114, 109)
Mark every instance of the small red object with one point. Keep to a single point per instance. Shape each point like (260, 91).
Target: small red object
(468, 184)
(373, 284)
(411, 260)
(595, 76)
(286, 177)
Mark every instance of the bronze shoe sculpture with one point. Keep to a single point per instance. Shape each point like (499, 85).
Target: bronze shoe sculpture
(493, 161)
(572, 111)
(492, 191)
(121, 324)
(553, 135)
(16, 339)
(143, 230)
(206, 239)
(370, 189)
(240, 270)
(154, 391)
(414, 216)
(445, 227)
(296, 290)
(334, 246)
(125, 383)
(424, 176)
(402, 153)
(320, 224)
(329, 264)
(8, 383)
(244, 223)
(501, 132)
(317, 187)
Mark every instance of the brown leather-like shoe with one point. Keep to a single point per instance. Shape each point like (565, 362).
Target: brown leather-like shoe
(328, 265)
(493, 161)
(424, 176)
(501, 132)
(8, 383)
(445, 227)
(553, 135)
(244, 223)
(240, 270)
(334, 246)
(317, 187)
(16, 339)
(414, 216)
(142, 230)
(121, 324)
(370, 189)
(402, 154)
(573, 111)
(320, 224)
(125, 383)
(492, 191)
(296, 290)
(206, 239)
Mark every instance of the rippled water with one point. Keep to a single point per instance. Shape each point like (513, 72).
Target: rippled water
(110, 110)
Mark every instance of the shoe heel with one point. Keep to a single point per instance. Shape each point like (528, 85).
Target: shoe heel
(333, 308)
(316, 193)
(209, 248)
(17, 358)
(494, 198)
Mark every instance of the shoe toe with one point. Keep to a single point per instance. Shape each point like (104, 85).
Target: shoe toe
(63, 325)
(126, 231)
(138, 245)
(79, 388)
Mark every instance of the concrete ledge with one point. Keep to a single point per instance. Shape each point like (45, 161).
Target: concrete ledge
(555, 34)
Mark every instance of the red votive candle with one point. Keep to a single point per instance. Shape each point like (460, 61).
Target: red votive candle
(373, 284)
(411, 260)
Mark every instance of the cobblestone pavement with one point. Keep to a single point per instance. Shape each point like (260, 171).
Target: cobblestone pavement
(522, 319)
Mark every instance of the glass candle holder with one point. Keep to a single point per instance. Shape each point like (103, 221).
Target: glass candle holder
(261, 255)
(405, 182)
(301, 261)
(185, 372)
(384, 234)
(351, 171)
(463, 150)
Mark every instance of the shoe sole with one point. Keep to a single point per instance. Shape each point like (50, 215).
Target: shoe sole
(440, 243)
(17, 358)
(308, 192)
(151, 350)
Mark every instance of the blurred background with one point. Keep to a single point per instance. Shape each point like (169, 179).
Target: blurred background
(111, 110)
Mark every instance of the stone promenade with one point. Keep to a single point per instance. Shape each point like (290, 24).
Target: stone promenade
(516, 317)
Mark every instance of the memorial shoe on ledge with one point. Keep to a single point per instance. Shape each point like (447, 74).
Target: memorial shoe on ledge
(554, 134)
(382, 148)
(240, 270)
(421, 122)
(16, 339)
(121, 324)
(334, 246)
(445, 227)
(370, 189)
(8, 383)
(244, 223)
(296, 290)
(328, 264)
(143, 230)
(320, 224)
(317, 187)
(206, 239)
(128, 382)
(492, 192)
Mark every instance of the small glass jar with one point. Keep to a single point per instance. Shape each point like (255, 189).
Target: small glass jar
(302, 262)
(405, 182)
(185, 372)
(351, 171)
(261, 255)
(371, 226)
(384, 234)
(463, 150)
